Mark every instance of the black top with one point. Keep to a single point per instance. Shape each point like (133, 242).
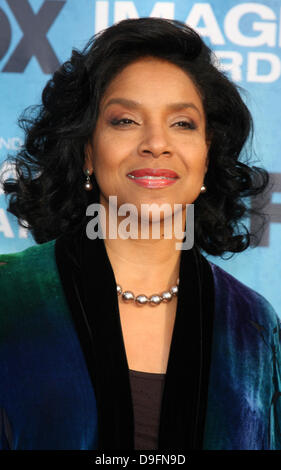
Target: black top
(147, 389)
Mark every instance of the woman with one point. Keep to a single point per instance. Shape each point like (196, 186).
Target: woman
(144, 115)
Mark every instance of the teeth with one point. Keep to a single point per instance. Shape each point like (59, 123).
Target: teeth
(150, 177)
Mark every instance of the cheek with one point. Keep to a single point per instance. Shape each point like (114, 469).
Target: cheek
(195, 159)
(202, 154)
(102, 156)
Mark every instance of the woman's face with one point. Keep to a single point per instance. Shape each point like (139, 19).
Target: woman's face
(151, 117)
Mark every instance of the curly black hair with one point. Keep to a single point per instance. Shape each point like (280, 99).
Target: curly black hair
(47, 194)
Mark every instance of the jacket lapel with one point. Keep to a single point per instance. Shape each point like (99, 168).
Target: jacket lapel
(186, 388)
(90, 289)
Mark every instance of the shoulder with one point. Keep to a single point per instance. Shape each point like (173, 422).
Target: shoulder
(241, 300)
(28, 260)
(27, 273)
(245, 368)
(31, 252)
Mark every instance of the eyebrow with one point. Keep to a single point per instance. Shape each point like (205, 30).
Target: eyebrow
(134, 105)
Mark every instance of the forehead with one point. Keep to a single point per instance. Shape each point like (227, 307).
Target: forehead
(153, 79)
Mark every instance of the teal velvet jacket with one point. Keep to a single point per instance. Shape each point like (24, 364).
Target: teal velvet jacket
(64, 380)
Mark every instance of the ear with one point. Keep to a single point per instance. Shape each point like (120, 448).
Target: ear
(209, 138)
(208, 143)
(207, 158)
(206, 165)
(88, 163)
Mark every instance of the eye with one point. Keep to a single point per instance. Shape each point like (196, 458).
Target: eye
(122, 122)
(185, 125)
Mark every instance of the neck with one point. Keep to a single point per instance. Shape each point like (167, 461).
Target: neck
(144, 263)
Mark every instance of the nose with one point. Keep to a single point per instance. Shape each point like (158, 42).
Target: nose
(155, 142)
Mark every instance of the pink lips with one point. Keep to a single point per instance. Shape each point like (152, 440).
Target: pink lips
(153, 177)
(154, 172)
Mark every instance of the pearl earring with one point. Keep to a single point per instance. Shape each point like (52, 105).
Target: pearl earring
(203, 189)
(87, 185)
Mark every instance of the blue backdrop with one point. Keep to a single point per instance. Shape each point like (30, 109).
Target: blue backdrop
(37, 35)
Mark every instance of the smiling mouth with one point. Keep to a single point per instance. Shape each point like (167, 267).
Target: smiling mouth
(149, 177)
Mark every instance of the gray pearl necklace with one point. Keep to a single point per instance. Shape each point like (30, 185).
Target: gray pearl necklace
(155, 299)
